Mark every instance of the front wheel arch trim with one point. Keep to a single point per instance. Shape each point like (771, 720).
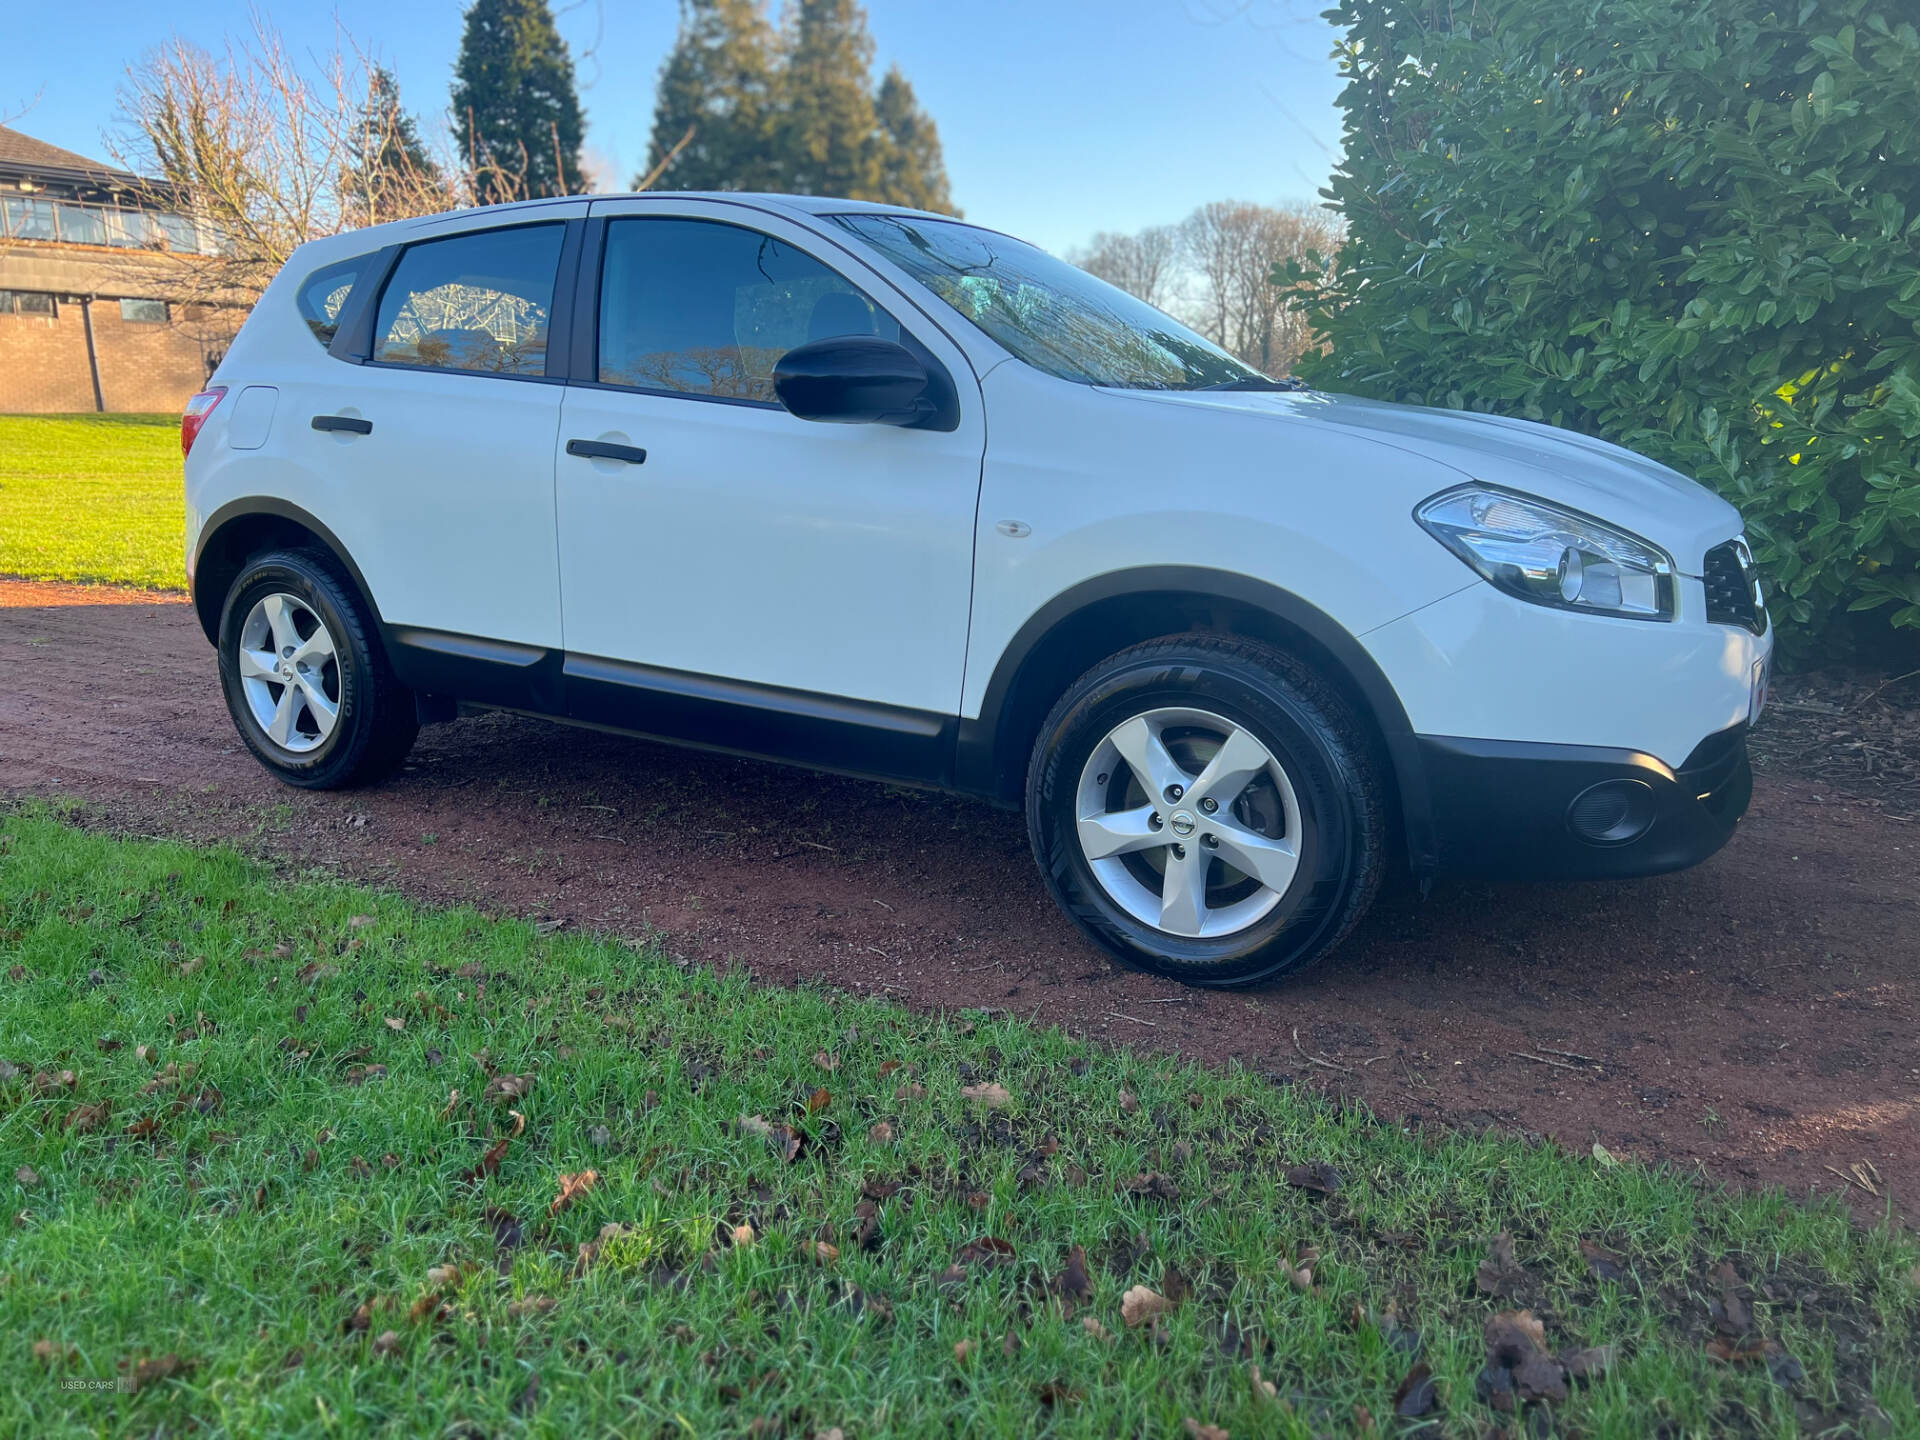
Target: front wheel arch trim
(987, 765)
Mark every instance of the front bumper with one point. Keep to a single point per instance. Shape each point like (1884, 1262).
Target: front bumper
(1524, 810)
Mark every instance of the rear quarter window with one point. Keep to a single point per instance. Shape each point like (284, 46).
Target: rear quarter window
(478, 301)
(324, 294)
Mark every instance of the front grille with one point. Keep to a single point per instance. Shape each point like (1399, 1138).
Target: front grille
(1733, 595)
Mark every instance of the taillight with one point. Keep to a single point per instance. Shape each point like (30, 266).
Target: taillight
(195, 415)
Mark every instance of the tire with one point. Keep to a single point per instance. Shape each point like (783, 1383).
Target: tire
(292, 608)
(1300, 805)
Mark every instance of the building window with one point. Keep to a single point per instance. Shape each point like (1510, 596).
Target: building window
(82, 225)
(28, 219)
(25, 302)
(144, 312)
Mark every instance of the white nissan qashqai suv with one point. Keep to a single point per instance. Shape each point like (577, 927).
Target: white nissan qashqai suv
(888, 494)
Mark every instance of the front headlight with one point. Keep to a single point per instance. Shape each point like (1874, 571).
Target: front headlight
(1551, 556)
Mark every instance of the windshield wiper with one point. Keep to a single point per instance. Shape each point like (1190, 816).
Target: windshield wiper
(1256, 382)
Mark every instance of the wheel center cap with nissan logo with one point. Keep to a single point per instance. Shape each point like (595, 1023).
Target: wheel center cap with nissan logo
(1182, 823)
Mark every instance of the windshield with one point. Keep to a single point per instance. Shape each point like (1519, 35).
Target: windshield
(1053, 315)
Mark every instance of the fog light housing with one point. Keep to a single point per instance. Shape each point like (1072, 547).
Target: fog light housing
(1614, 812)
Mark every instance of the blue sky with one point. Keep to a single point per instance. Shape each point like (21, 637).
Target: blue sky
(1059, 117)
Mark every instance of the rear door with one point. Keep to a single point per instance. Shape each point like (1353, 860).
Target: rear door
(439, 446)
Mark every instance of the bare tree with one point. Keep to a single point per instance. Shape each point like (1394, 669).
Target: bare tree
(1142, 264)
(1238, 254)
(265, 151)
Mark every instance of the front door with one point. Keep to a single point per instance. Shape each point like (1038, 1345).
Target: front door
(758, 582)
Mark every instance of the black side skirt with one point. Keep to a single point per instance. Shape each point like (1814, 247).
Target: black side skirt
(826, 732)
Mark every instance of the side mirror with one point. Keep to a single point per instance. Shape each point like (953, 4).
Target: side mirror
(855, 380)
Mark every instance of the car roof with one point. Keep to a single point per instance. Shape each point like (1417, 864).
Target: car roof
(805, 204)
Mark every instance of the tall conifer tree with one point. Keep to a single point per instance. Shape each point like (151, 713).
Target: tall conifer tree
(719, 84)
(793, 109)
(515, 112)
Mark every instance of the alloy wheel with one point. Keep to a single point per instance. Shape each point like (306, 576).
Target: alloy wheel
(1188, 822)
(289, 673)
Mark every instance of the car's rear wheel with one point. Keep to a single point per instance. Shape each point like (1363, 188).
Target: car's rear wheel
(306, 681)
(1208, 808)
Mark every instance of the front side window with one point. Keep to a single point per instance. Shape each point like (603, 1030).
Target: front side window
(1052, 315)
(698, 307)
(323, 296)
(478, 302)
(144, 312)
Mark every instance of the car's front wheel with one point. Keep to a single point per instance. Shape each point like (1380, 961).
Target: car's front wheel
(1208, 808)
(306, 681)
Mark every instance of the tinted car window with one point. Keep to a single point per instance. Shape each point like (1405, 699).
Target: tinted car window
(703, 308)
(476, 302)
(323, 298)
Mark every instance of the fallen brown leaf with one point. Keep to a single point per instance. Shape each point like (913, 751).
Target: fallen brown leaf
(54, 1353)
(388, 1340)
(992, 1094)
(1500, 1274)
(1731, 1316)
(1415, 1395)
(1154, 1184)
(819, 1101)
(1129, 1102)
(1591, 1363)
(987, 1250)
(396, 1022)
(490, 1161)
(1094, 1328)
(1300, 1272)
(84, 1118)
(743, 1236)
(1139, 1305)
(572, 1187)
(963, 1351)
(1073, 1285)
(27, 1176)
(882, 1133)
(827, 1060)
(1518, 1362)
(1205, 1432)
(1604, 1264)
(142, 1373)
(825, 1254)
(1318, 1177)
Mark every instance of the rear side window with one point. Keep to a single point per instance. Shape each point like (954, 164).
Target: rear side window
(702, 308)
(478, 302)
(323, 297)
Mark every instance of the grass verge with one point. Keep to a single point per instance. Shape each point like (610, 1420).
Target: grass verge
(92, 497)
(294, 1157)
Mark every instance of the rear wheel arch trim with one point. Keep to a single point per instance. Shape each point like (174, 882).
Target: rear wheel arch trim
(981, 765)
(251, 507)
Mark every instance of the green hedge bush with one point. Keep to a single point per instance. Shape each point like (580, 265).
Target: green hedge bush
(1689, 226)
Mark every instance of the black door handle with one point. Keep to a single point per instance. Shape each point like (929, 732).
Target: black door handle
(601, 450)
(345, 424)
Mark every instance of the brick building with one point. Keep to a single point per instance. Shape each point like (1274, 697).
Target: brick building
(93, 276)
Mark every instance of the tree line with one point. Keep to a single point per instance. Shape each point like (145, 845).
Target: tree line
(269, 147)
(1231, 270)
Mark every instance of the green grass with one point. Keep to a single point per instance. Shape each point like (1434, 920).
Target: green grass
(92, 497)
(269, 1217)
